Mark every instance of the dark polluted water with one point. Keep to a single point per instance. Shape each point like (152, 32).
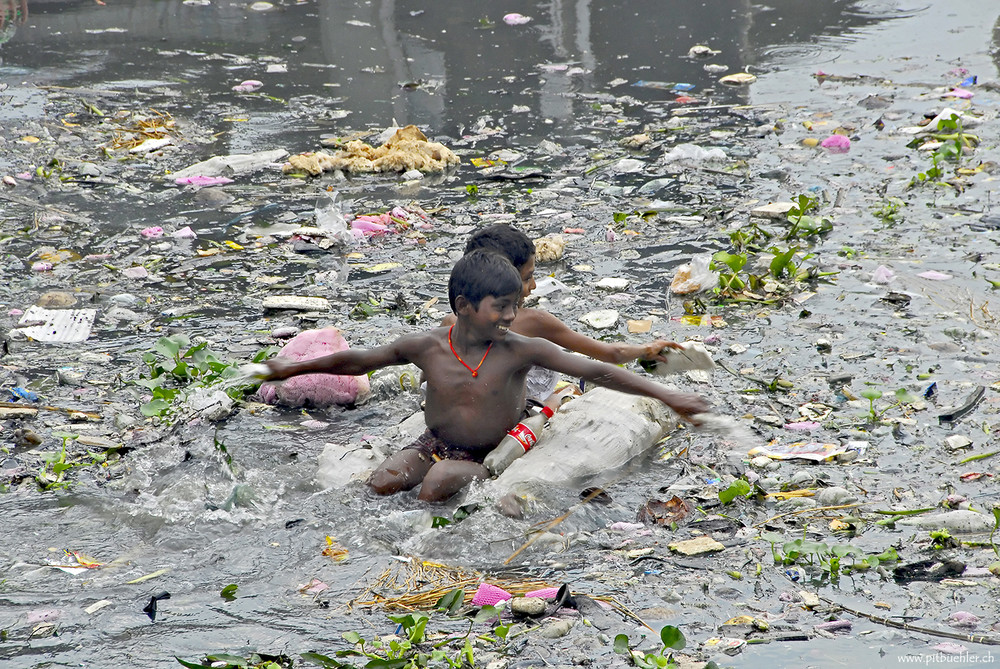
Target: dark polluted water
(190, 509)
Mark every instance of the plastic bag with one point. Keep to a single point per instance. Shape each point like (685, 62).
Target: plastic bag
(692, 153)
(331, 220)
(691, 355)
(694, 276)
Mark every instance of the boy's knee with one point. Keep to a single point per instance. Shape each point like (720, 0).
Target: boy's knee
(385, 481)
(401, 471)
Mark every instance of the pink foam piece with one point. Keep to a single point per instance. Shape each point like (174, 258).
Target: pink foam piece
(837, 144)
(201, 180)
(318, 390)
(489, 595)
(544, 593)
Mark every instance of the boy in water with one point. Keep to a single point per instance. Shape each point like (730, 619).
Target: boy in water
(520, 250)
(475, 372)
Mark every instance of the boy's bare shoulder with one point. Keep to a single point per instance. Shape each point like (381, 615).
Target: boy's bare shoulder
(420, 340)
(523, 342)
(538, 323)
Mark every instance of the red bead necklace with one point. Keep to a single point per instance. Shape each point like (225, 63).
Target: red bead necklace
(475, 372)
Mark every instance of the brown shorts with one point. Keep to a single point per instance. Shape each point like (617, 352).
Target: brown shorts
(437, 449)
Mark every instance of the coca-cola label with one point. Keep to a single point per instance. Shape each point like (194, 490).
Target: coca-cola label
(524, 435)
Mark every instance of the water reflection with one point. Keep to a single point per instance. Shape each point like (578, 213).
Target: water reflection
(452, 68)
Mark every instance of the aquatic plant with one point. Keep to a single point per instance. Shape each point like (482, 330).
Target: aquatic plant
(889, 211)
(730, 283)
(942, 539)
(671, 638)
(411, 647)
(827, 558)
(953, 142)
(804, 225)
(786, 265)
(902, 397)
(996, 525)
(738, 488)
(251, 661)
(176, 367)
(52, 473)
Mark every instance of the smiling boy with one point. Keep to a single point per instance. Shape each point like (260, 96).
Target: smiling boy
(475, 372)
(520, 250)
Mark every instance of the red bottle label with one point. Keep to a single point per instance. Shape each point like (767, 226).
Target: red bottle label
(524, 435)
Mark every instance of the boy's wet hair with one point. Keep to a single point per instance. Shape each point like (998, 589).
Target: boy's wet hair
(481, 273)
(505, 240)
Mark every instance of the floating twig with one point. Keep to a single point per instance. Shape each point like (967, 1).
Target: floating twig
(72, 412)
(552, 523)
(814, 509)
(28, 202)
(882, 620)
(981, 456)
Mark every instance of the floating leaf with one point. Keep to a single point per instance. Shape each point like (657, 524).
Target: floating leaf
(738, 488)
(672, 637)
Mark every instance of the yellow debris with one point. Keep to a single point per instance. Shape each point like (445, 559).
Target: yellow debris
(408, 149)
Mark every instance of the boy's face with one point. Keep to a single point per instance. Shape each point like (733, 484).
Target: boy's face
(527, 271)
(494, 315)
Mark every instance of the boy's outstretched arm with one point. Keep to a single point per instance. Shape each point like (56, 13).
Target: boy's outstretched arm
(604, 374)
(352, 362)
(538, 323)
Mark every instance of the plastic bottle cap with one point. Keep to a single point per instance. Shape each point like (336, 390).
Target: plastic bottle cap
(548, 412)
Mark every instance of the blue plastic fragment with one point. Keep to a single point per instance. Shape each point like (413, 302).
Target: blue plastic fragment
(662, 85)
(931, 390)
(683, 87)
(23, 394)
(970, 81)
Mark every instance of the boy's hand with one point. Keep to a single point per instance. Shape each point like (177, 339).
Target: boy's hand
(654, 349)
(687, 405)
(278, 369)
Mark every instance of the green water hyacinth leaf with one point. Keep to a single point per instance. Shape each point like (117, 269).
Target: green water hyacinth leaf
(733, 261)
(738, 488)
(672, 637)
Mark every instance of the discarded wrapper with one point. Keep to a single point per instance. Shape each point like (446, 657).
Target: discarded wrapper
(810, 450)
(727, 645)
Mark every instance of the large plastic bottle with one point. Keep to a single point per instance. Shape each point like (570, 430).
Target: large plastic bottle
(518, 441)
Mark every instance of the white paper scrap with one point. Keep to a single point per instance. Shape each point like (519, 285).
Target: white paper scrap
(56, 325)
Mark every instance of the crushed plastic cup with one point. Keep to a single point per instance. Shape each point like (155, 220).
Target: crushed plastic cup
(331, 220)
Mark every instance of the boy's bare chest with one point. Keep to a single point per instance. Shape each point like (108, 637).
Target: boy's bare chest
(463, 380)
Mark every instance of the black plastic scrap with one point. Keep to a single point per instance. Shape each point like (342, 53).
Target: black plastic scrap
(150, 609)
(928, 570)
(970, 404)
